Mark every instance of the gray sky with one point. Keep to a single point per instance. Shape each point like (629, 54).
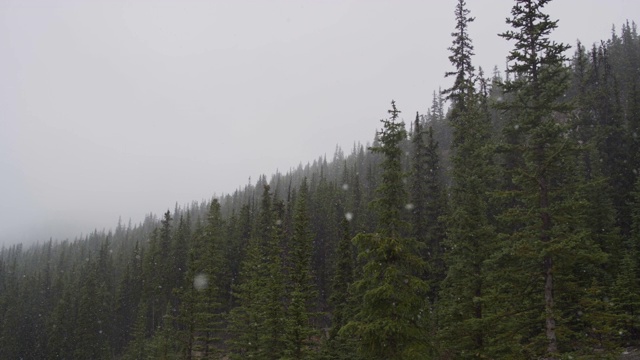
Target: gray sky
(121, 108)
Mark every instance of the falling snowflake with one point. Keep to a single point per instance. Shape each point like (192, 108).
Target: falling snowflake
(200, 281)
(345, 187)
(409, 206)
(348, 216)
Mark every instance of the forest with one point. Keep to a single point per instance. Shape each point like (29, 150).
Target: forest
(502, 224)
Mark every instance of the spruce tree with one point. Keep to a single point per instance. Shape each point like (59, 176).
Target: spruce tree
(418, 184)
(179, 252)
(158, 271)
(461, 53)
(391, 320)
(427, 202)
(257, 324)
(343, 300)
(137, 348)
(626, 289)
(128, 297)
(94, 309)
(246, 318)
(274, 327)
(200, 318)
(301, 290)
(544, 228)
(470, 233)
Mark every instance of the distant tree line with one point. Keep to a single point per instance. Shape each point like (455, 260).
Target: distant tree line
(504, 223)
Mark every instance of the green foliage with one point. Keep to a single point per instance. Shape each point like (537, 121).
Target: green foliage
(342, 300)
(427, 197)
(544, 228)
(463, 304)
(258, 322)
(539, 260)
(391, 320)
(391, 194)
(461, 53)
(199, 319)
(301, 291)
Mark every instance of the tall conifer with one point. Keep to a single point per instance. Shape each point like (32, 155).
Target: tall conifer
(470, 233)
(302, 292)
(391, 320)
(544, 228)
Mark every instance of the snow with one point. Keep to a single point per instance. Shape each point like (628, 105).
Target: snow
(200, 281)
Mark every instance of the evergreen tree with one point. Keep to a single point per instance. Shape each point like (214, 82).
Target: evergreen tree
(470, 233)
(93, 322)
(200, 301)
(246, 318)
(302, 293)
(626, 289)
(342, 299)
(61, 336)
(158, 271)
(199, 316)
(461, 53)
(427, 202)
(257, 323)
(274, 337)
(418, 184)
(124, 310)
(136, 348)
(391, 320)
(544, 229)
(321, 199)
(179, 252)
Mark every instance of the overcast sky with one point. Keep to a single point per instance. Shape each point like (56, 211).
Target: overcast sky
(120, 108)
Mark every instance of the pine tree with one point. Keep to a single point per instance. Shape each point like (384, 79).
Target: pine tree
(391, 320)
(302, 293)
(200, 301)
(136, 348)
(257, 323)
(158, 271)
(239, 233)
(470, 233)
(61, 337)
(246, 318)
(321, 200)
(427, 202)
(94, 309)
(418, 184)
(544, 228)
(461, 53)
(342, 299)
(179, 252)
(626, 289)
(274, 327)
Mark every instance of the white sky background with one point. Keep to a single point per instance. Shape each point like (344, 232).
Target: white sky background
(121, 108)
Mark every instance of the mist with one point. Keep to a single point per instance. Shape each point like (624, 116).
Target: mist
(112, 109)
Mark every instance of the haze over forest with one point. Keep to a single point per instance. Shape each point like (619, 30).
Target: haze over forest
(116, 109)
(501, 220)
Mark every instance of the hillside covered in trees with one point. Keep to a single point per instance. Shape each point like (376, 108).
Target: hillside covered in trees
(502, 224)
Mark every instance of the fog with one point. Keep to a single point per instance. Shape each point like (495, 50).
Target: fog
(119, 108)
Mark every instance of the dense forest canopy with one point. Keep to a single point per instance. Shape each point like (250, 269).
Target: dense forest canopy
(503, 223)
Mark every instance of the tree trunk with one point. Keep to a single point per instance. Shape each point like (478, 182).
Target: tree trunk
(550, 323)
(545, 237)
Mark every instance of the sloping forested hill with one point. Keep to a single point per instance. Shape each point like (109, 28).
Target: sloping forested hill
(505, 227)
